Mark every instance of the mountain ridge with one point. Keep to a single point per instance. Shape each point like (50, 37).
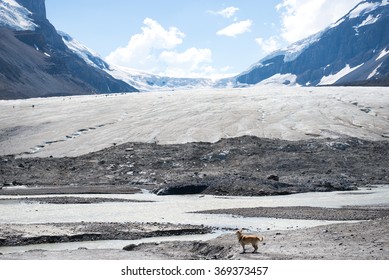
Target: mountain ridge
(360, 37)
(35, 62)
(141, 80)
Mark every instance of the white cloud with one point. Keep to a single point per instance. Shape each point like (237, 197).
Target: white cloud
(301, 18)
(155, 50)
(269, 45)
(236, 28)
(142, 48)
(228, 12)
(188, 63)
(226, 69)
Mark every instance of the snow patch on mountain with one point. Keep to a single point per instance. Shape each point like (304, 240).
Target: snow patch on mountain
(89, 56)
(365, 7)
(375, 72)
(319, 59)
(293, 51)
(15, 16)
(369, 20)
(333, 78)
(281, 79)
(382, 54)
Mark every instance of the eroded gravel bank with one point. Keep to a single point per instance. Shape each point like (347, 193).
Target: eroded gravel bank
(247, 166)
(26, 234)
(308, 213)
(368, 240)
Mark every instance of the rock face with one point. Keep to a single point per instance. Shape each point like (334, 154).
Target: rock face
(353, 51)
(35, 62)
(36, 7)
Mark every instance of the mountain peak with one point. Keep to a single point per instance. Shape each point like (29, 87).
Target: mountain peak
(32, 51)
(352, 51)
(365, 7)
(36, 7)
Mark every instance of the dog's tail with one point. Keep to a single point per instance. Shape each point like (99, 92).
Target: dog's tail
(260, 239)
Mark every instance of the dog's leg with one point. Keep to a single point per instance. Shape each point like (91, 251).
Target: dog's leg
(255, 248)
(244, 249)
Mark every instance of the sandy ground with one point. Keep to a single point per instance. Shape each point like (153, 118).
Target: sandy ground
(357, 240)
(363, 240)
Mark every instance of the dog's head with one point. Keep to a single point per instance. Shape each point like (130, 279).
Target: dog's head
(239, 233)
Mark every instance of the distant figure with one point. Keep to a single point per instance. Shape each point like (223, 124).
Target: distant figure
(33, 106)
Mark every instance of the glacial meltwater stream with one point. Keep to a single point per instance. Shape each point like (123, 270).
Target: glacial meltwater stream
(177, 210)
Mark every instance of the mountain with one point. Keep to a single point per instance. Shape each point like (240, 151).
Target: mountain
(147, 82)
(352, 51)
(89, 56)
(38, 61)
(139, 79)
(35, 61)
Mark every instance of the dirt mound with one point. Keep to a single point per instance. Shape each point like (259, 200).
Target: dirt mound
(238, 166)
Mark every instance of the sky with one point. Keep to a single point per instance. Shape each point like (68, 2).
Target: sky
(182, 38)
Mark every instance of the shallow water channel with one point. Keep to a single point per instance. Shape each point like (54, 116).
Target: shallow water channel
(177, 210)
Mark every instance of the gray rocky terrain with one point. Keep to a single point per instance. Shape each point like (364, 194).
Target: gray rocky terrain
(247, 166)
(362, 240)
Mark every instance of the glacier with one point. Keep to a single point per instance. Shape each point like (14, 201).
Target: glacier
(15, 16)
(71, 126)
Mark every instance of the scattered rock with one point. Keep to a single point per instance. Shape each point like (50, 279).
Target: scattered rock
(247, 166)
(338, 146)
(273, 177)
(308, 213)
(130, 247)
(19, 234)
(181, 189)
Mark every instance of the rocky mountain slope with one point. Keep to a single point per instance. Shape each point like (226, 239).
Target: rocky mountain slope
(35, 62)
(38, 61)
(352, 51)
(139, 79)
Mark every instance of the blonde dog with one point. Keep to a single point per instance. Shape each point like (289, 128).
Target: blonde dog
(248, 239)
